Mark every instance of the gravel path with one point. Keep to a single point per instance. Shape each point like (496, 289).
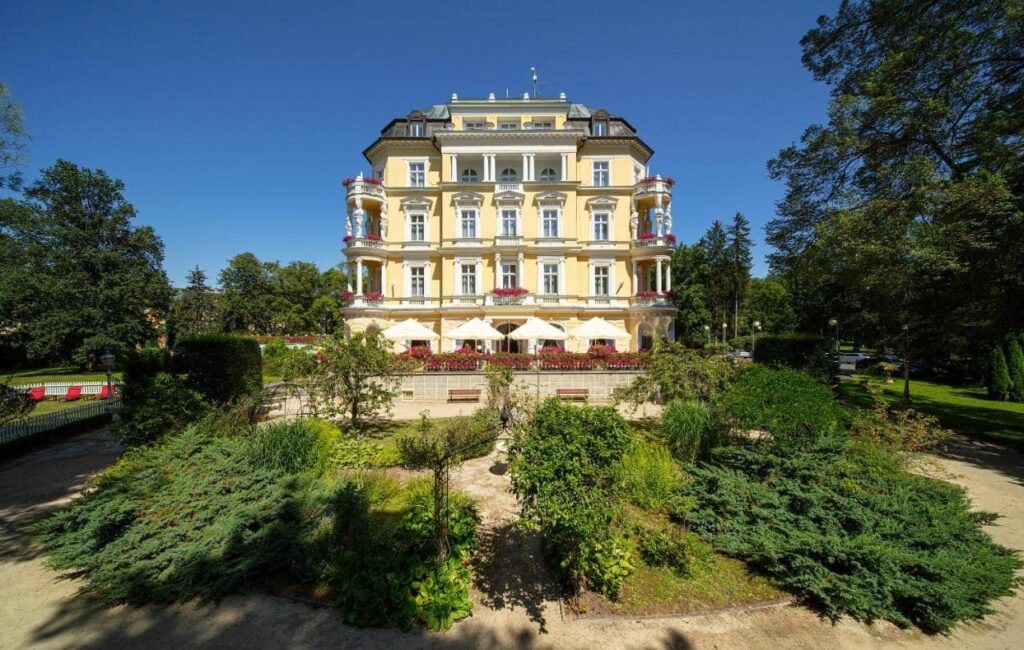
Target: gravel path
(514, 608)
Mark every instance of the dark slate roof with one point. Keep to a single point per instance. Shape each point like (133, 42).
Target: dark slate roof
(437, 112)
(579, 111)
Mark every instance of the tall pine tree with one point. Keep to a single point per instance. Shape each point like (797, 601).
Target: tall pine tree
(195, 311)
(715, 243)
(739, 262)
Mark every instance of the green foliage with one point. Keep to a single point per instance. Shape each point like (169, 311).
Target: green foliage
(13, 140)
(691, 428)
(850, 531)
(790, 406)
(668, 545)
(356, 453)
(293, 446)
(156, 407)
(75, 274)
(285, 362)
(1015, 366)
(647, 476)
(676, 372)
(769, 301)
(140, 369)
(355, 376)
(562, 469)
(222, 367)
(999, 383)
(13, 404)
(810, 353)
(194, 312)
(188, 518)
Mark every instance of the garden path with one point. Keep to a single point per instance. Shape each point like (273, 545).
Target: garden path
(514, 608)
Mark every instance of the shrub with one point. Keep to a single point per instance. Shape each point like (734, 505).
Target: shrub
(674, 372)
(901, 429)
(668, 545)
(294, 446)
(155, 408)
(627, 361)
(1015, 366)
(222, 367)
(807, 352)
(562, 469)
(999, 383)
(565, 361)
(189, 518)
(691, 428)
(511, 361)
(140, 369)
(789, 405)
(647, 476)
(850, 532)
(355, 453)
(356, 377)
(453, 362)
(13, 404)
(285, 362)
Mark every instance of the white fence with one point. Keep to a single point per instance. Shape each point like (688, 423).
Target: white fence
(36, 424)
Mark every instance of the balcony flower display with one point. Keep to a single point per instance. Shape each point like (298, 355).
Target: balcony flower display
(465, 349)
(347, 238)
(562, 360)
(419, 351)
(627, 361)
(650, 295)
(644, 236)
(453, 361)
(510, 360)
(668, 180)
(368, 181)
(346, 296)
(510, 292)
(373, 237)
(552, 349)
(373, 295)
(600, 351)
(670, 238)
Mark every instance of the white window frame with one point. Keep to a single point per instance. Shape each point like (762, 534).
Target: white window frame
(548, 178)
(545, 276)
(544, 221)
(462, 222)
(503, 275)
(466, 177)
(515, 221)
(413, 269)
(462, 265)
(504, 178)
(606, 172)
(409, 169)
(509, 125)
(475, 125)
(601, 127)
(543, 124)
(607, 225)
(608, 272)
(409, 226)
(417, 129)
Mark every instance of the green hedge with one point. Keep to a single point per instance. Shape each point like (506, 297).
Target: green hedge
(808, 352)
(222, 367)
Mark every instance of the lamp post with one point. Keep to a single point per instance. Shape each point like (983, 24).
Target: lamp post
(832, 322)
(107, 359)
(707, 332)
(753, 336)
(725, 326)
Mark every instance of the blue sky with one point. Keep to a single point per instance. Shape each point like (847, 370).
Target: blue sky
(232, 123)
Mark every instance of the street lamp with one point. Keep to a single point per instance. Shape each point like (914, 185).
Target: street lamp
(707, 332)
(832, 322)
(725, 326)
(107, 359)
(753, 336)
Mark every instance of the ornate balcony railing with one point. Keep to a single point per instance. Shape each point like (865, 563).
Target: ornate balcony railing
(651, 240)
(508, 240)
(466, 299)
(371, 241)
(364, 187)
(653, 185)
(508, 187)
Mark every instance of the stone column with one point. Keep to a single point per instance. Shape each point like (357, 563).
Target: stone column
(658, 275)
(384, 278)
(359, 277)
(636, 278)
(526, 167)
(454, 173)
(668, 274)
(497, 269)
(565, 167)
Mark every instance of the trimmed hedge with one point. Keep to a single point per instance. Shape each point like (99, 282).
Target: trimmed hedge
(222, 367)
(808, 352)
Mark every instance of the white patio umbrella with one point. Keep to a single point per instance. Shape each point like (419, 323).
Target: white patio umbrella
(536, 329)
(599, 328)
(475, 330)
(409, 330)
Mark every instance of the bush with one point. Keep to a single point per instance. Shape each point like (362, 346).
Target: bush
(902, 429)
(294, 446)
(156, 408)
(562, 470)
(851, 532)
(668, 545)
(648, 477)
(565, 361)
(14, 404)
(189, 518)
(453, 362)
(285, 362)
(789, 405)
(141, 368)
(1015, 366)
(674, 372)
(807, 352)
(511, 361)
(691, 428)
(999, 383)
(222, 367)
(355, 453)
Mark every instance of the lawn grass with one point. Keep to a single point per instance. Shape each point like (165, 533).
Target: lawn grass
(54, 405)
(963, 409)
(55, 373)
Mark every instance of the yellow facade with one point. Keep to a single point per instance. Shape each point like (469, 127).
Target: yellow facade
(545, 195)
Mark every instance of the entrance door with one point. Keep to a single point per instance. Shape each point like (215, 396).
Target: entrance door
(507, 344)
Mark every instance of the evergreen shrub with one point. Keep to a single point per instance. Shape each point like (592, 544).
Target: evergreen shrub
(222, 367)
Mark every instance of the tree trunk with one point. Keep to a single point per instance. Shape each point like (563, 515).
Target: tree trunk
(440, 514)
(905, 399)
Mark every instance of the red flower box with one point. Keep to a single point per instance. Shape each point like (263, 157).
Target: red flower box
(367, 180)
(600, 351)
(453, 362)
(644, 236)
(347, 238)
(510, 292)
(509, 360)
(565, 361)
(373, 295)
(668, 180)
(670, 238)
(647, 294)
(373, 237)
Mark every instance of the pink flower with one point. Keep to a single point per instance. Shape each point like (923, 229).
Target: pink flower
(646, 294)
(646, 235)
(373, 295)
(347, 238)
(510, 292)
(670, 238)
(346, 296)
(373, 237)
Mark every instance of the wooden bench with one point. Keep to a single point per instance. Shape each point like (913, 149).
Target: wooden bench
(464, 395)
(573, 393)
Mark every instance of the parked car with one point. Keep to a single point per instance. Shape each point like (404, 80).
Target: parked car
(852, 357)
(739, 353)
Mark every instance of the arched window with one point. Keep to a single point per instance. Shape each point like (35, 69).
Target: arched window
(469, 176)
(548, 174)
(508, 175)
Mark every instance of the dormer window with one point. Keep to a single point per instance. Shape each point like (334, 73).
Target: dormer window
(548, 174)
(417, 129)
(508, 175)
(543, 124)
(475, 125)
(469, 176)
(508, 125)
(600, 127)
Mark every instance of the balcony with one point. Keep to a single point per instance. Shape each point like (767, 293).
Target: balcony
(466, 299)
(653, 185)
(364, 188)
(508, 187)
(369, 241)
(652, 299)
(653, 240)
(509, 296)
(369, 299)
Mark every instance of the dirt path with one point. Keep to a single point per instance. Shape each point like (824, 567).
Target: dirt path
(514, 609)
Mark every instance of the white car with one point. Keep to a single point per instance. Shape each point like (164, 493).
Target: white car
(739, 354)
(852, 357)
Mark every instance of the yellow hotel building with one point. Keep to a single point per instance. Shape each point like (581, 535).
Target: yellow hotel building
(541, 195)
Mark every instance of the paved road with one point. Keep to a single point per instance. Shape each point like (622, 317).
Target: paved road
(39, 609)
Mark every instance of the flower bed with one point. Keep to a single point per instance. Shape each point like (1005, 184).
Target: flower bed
(565, 361)
(512, 361)
(453, 362)
(627, 361)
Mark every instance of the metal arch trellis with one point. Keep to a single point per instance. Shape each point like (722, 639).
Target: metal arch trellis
(280, 395)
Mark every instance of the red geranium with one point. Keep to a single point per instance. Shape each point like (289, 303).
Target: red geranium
(510, 292)
(347, 238)
(373, 295)
(346, 296)
(670, 238)
(646, 294)
(373, 237)
(646, 235)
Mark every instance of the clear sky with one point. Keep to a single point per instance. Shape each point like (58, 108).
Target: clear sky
(232, 123)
